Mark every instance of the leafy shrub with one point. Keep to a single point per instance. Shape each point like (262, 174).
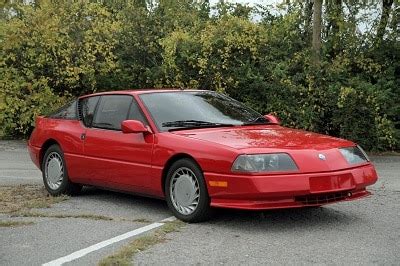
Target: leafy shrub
(88, 46)
(22, 101)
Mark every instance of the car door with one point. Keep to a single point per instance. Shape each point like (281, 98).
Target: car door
(78, 166)
(115, 159)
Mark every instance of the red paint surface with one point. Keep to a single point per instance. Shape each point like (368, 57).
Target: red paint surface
(136, 162)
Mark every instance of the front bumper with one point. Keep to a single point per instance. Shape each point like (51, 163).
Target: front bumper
(255, 192)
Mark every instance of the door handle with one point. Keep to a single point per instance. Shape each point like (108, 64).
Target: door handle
(83, 136)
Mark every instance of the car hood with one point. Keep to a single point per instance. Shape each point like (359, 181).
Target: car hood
(306, 148)
(266, 137)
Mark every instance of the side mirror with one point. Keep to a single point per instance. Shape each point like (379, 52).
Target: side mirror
(133, 126)
(273, 119)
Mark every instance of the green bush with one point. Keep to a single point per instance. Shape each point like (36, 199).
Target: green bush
(49, 53)
(54, 50)
(22, 101)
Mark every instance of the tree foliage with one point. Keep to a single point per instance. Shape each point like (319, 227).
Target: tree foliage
(54, 50)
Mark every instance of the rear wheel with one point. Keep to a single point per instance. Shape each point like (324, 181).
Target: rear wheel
(186, 192)
(55, 175)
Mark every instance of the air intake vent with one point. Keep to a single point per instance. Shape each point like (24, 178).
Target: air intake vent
(323, 198)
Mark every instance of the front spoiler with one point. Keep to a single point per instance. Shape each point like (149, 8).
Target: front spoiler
(282, 203)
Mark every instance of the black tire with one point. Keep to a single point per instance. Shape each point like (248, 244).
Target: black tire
(66, 187)
(203, 209)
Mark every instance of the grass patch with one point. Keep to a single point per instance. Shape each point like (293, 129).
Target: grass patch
(56, 215)
(14, 223)
(82, 216)
(139, 220)
(17, 201)
(22, 197)
(125, 255)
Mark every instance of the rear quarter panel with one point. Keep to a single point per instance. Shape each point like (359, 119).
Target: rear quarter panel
(66, 133)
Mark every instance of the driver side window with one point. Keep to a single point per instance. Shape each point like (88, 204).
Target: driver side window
(112, 110)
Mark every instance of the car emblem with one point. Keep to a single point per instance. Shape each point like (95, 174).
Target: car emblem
(322, 157)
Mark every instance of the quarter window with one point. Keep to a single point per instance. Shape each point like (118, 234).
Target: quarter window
(112, 110)
(68, 111)
(136, 114)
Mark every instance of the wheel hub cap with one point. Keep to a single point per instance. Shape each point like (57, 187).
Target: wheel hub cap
(54, 170)
(185, 191)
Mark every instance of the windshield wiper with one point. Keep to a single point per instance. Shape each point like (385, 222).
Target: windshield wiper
(192, 124)
(258, 121)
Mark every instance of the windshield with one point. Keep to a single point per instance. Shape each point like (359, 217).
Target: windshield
(185, 109)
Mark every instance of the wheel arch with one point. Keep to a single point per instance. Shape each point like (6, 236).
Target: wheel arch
(170, 162)
(44, 148)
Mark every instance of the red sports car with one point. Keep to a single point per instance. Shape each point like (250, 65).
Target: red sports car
(197, 149)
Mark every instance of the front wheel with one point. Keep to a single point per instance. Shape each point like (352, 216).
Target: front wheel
(186, 192)
(55, 175)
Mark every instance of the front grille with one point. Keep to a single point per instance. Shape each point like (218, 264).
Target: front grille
(323, 198)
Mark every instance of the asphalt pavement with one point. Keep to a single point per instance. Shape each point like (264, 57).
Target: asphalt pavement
(366, 231)
(16, 166)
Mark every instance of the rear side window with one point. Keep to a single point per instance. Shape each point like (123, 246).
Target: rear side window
(87, 106)
(112, 110)
(68, 111)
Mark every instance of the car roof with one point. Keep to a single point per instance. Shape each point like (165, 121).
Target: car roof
(139, 91)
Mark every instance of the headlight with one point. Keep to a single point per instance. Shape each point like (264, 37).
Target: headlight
(354, 155)
(256, 163)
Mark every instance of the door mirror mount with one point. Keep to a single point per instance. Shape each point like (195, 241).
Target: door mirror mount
(133, 126)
